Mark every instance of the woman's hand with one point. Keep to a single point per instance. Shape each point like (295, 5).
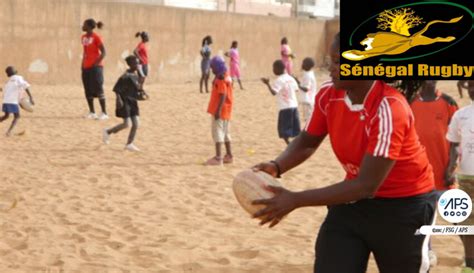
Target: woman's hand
(267, 167)
(277, 207)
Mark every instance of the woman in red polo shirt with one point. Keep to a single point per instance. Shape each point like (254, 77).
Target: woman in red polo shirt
(387, 193)
(92, 68)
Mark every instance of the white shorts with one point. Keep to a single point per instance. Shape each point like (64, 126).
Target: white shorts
(220, 130)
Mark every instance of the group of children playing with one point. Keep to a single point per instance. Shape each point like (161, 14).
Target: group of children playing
(285, 88)
(128, 89)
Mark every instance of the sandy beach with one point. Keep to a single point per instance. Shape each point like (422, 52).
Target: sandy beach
(82, 206)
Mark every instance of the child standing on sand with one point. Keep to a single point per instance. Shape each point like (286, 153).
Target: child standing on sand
(285, 88)
(220, 107)
(308, 89)
(234, 56)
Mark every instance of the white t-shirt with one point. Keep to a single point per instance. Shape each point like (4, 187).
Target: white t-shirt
(14, 88)
(286, 88)
(309, 82)
(461, 130)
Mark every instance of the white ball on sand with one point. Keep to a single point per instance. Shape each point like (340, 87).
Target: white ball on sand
(249, 186)
(25, 103)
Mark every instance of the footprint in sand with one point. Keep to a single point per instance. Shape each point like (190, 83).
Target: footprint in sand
(245, 254)
(15, 239)
(8, 201)
(93, 232)
(115, 245)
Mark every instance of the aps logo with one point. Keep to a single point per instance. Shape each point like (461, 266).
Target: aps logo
(455, 206)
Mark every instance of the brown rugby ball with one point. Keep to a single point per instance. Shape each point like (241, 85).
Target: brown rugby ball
(249, 186)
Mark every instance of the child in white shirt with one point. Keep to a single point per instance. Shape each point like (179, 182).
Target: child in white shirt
(285, 87)
(13, 91)
(308, 89)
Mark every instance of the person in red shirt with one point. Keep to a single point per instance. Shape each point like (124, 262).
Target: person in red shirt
(387, 194)
(220, 108)
(92, 68)
(141, 51)
(433, 111)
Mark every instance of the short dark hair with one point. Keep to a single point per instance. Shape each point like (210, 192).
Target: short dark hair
(279, 65)
(10, 70)
(130, 58)
(308, 63)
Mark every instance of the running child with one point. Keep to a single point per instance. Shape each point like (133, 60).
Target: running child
(234, 56)
(13, 91)
(220, 108)
(127, 91)
(285, 88)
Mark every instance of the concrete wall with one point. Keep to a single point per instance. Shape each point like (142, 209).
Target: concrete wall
(42, 38)
(263, 7)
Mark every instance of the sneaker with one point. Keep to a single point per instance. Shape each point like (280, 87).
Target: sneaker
(228, 159)
(91, 116)
(132, 147)
(433, 258)
(214, 161)
(103, 117)
(467, 270)
(105, 136)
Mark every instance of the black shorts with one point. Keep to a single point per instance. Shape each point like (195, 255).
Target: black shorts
(93, 80)
(129, 109)
(384, 227)
(145, 70)
(288, 123)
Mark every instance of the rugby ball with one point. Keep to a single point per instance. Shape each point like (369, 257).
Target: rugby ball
(26, 105)
(249, 185)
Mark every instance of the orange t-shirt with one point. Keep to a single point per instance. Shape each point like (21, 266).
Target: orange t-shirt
(431, 123)
(382, 127)
(221, 87)
(92, 52)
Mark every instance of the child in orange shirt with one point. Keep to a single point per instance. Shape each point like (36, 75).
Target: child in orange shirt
(220, 107)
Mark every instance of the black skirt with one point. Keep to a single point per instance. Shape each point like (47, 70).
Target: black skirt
(93, 80)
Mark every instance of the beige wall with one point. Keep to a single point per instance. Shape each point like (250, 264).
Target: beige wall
(42, 38)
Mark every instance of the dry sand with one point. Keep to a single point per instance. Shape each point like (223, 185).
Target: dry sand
(86, 207)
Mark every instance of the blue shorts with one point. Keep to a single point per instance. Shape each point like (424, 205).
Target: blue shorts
(11, 108)
(288, 123)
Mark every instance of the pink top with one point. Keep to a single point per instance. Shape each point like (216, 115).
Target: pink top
(285, 57)
(234, 56)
